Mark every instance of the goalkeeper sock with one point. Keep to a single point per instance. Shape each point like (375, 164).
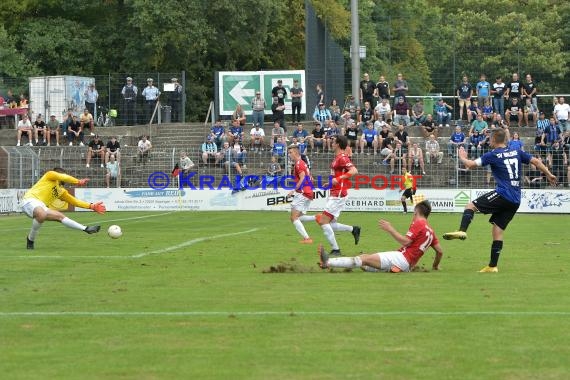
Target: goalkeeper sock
(405, 206)
(35, 229)
(72, 224)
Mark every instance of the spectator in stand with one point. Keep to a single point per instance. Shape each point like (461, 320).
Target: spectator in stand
(562, 114)
(279, 149)
(388, 144)
(143, 147)
(558, 161)
(331, 135)
(442, 112)
(352, 108)
(113, 171)
(95, 149)
(483, 89)
(351, 133)
(398, 156)
(499, 122)
(209, 150)
(487, 111)
(53, 130)
(418, 114)
(400, 87)
(239, 115)
(321, 115)
(552, 132)
(316, 139)
(86, 120)
(429, 126)
(432, 150)
(530, 90)
(474, 110)
(129, 94)
(175, 100)
(456, 140)
(300, 133)
(516, 143)
(514, 88)
(403, 137)
(273, 168)
(67, 119)
(240, 153)
(258, 109)
(319, 91)
(498, 92)
(276, 133)
(366, 115)
(530, 112)
(25, 127)
(228, 159)
(235, 133)
(279, 92)
(218, 133)
(257, 139)
(150, 94)
(475, 143)
(464, 94)
(296, 101)
(40, 129)
(278, 110)
(334, 110)
(514, 112)
(383, 111)
(416, 158)
(75, 132)
(382, 134)
(369, 138)
(401, 112)
(382, 90)
(185, 163)
(367, 88)
(113, 148)
(540, 135)
(91, 97)
(478, 125)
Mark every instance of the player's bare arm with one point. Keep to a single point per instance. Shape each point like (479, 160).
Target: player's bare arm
(387, 226)
(438, 256)
(462, 154)
(540, 166)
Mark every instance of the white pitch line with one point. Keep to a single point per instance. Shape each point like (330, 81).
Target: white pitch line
(189, 243)
(131, 314)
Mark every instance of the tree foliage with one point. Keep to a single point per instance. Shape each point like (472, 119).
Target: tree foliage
(432, 42)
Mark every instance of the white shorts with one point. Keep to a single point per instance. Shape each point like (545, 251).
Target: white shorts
(300, 203)
(29, 205)
(334, 206)
(393, 258)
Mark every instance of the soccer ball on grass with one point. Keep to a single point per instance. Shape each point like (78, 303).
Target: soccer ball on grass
(114, 232)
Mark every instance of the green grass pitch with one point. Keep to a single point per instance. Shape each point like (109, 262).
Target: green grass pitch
(187, 295)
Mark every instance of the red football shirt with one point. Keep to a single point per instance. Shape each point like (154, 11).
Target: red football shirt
(422, 237)
(340, 166)
(307, 187)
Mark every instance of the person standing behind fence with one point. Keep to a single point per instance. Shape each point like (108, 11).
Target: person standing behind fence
(258, 109)
(91, 96)
(129, 93)
(175, 100)
(151, 95)
(296, 95)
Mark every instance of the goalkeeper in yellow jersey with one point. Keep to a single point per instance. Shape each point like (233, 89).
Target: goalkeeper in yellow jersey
(41, 202)
(409, 188)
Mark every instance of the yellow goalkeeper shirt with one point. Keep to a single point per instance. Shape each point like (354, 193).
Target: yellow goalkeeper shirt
(49, 189)
(408, 180)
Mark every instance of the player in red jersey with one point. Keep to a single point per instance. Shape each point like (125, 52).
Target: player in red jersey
(302, 194)
(341, 170)
(418, 239)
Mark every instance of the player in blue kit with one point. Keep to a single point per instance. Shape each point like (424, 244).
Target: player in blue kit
(503, 202)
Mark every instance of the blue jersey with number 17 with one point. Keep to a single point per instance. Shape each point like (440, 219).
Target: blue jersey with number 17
(506, 167)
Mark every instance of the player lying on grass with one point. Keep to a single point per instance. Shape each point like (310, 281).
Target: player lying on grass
(48, 193)
(503, 202)
(415, 242)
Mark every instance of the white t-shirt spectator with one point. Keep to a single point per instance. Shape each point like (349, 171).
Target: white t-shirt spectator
(561, 111)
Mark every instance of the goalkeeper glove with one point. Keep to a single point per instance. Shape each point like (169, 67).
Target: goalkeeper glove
(83, 181)
(98, 207)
